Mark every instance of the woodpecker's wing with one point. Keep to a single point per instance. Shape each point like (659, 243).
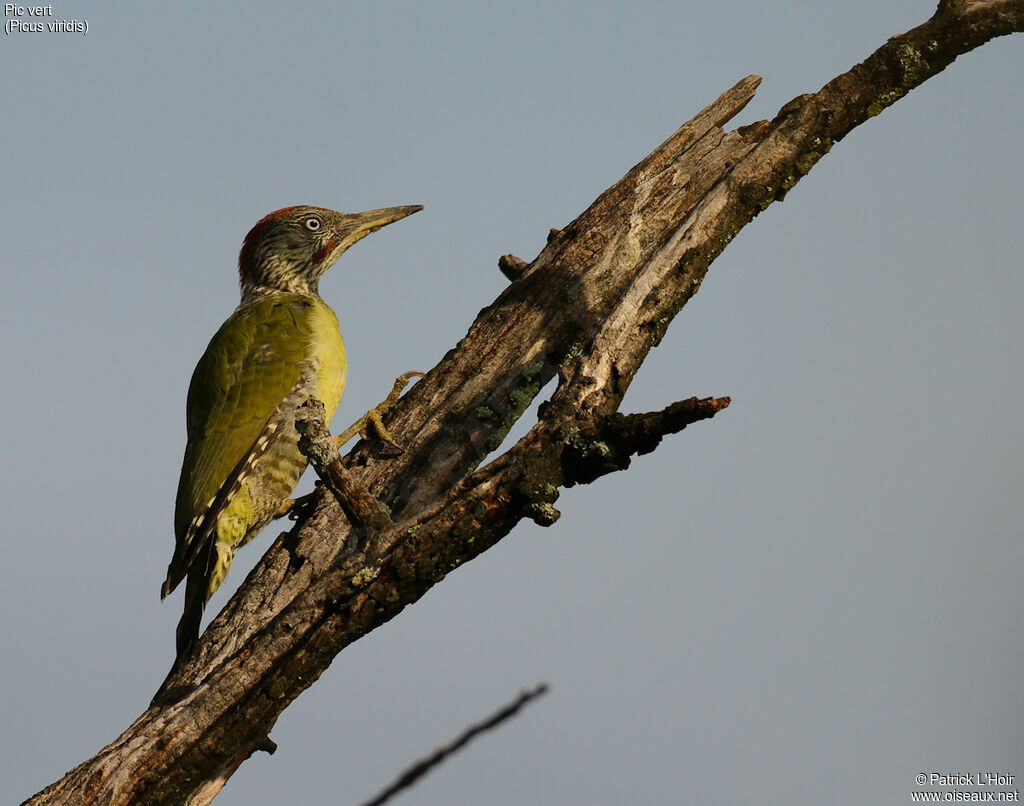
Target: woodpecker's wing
(252, 370)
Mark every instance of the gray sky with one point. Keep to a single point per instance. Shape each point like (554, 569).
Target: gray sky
(812, 598)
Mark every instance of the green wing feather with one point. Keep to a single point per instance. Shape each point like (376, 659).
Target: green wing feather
(251, 365)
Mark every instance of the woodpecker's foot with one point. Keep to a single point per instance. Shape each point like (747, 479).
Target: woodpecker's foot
(286, 506)
(292, 507)
(370, 424)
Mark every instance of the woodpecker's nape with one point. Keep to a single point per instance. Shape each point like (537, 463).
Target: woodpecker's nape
(280, 347)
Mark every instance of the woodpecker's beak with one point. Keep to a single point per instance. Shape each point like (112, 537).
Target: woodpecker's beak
(362, 224)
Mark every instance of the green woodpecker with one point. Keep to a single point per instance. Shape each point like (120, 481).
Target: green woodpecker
(281, 346)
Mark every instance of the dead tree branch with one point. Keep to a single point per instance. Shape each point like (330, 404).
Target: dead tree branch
(360, 507)
(587, 310)
(425, 765)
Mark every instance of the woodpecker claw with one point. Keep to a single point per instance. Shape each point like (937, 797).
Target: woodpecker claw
(292, 507)
(286, 506)
(371, 424)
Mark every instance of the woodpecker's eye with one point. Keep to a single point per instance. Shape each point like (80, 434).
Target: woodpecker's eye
(313, 223)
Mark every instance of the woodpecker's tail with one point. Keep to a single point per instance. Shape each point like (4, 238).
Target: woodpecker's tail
(196, 595)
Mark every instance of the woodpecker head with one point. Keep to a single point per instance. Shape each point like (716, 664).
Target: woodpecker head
(290, 249)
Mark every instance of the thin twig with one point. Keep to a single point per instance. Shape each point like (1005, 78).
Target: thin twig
(424, 765)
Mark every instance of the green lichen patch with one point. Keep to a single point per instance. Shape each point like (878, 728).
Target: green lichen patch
(527, 388)
(912, 64)
(365, 577)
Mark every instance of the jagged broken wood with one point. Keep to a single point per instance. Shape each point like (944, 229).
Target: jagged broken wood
(588, 309)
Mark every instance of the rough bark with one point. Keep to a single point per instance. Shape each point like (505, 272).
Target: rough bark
(588, 309)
